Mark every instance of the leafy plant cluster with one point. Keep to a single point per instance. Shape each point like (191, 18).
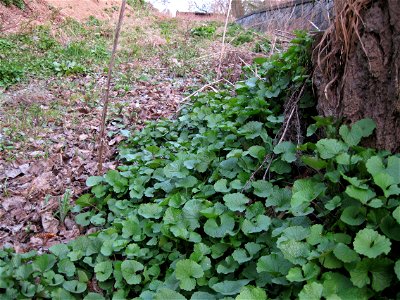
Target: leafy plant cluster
(39, 53)
(167, 29)
(204, 31)
(183, 218)
(135, 3)
(239, 35)
(68, 68)
(262, 46)
(18, 3)
(10, 73)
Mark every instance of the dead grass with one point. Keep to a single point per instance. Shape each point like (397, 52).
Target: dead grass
(336, 44)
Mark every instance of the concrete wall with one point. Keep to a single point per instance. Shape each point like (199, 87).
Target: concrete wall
(297, 14)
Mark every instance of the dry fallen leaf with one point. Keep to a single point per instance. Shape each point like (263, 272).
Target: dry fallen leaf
(49, 223)
(12, 202)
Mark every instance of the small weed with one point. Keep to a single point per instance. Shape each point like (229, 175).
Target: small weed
(204, 31)
(74, 28)
(66, 68)
(263, 46)
(64, 207)
(99, 52)
(239, 35)
(167, 28)
(6, 45)
(46, 42)
(4, 188)
(10, 73)
(135, 3)
(47, 199)
(179, 58)
(75, 49)
(243, 38)
(234, 29)
(28, 228)
(93, 21)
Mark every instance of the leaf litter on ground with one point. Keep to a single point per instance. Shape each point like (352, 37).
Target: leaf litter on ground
(56, 149)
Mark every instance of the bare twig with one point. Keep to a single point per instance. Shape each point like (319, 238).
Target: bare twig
(223, 39)
(228, 82)
(209, 85)
(107, 90)
(315, 26)
(251, 69)
(287, 125)
(292, 107)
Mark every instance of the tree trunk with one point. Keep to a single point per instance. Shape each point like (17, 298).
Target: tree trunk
(362, 79)
(237, 8)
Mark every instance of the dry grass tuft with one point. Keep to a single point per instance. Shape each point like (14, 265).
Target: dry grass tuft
(337, 42)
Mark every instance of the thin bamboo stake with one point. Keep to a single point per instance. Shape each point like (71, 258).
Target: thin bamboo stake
(107, 90)
(223, 39)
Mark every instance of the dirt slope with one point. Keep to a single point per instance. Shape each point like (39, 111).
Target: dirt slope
(82, 9)
(37, 12)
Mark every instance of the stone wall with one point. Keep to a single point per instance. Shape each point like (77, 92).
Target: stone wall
(297, 14)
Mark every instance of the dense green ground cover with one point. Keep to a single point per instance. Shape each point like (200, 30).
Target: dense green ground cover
(41, 53)
(183, 217)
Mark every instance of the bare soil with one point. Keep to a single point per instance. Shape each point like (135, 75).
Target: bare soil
(37, 12)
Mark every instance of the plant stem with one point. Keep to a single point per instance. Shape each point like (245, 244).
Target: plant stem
(107, 90)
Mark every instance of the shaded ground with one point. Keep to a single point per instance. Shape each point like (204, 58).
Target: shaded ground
(49, 121)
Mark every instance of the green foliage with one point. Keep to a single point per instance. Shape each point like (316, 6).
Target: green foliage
(66, 68)
(40, 54)
(10, 73)
(240, 35)
(167, 28)
(181, 219)
(263, 46)
(64, 206)
(204, 31)
(18, 3)
(135, 3)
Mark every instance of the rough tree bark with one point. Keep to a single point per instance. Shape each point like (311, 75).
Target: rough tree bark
(237, 8)
(367, 80)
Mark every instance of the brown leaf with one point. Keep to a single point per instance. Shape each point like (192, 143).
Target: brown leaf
(12, 203)
(13, 173)
(49, 223)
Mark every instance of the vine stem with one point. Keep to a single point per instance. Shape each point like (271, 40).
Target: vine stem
(106, 96)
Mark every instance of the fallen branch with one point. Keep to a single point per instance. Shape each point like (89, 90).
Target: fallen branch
(107, 90)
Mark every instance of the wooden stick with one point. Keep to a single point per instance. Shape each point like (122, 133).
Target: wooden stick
(223, 40)
(199, 90)
(107, 90)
